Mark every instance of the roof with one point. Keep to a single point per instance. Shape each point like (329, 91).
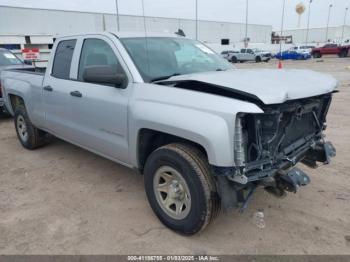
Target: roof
(127, 34)
(124, 34)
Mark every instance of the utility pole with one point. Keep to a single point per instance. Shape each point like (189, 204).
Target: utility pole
(196, 19)
(280, 40)
(246, 24)
(308, 24)
(329, 15)
(117, 9)
(342, 33)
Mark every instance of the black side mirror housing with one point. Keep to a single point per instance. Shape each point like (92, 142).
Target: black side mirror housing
(104, 74)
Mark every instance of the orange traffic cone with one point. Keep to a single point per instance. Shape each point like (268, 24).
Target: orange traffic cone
(280, 64)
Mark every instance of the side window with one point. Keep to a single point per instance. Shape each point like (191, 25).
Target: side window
(243, 51)
(96, 52)
(63, 59)
(250, 51)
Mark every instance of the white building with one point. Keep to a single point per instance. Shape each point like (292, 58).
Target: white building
(317, 36)
(37, 27)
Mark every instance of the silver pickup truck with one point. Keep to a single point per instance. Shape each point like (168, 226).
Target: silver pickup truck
(203, 134)
(247, 54)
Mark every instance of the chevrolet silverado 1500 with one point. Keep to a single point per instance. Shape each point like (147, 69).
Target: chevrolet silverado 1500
(204, 134)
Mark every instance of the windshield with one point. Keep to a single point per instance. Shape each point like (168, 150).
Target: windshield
(161, 57)
(7, 58)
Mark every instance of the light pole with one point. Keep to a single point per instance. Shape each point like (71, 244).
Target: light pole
(280, 40)
(196, 19)
(308, 23)
(342, 33)
(329, 15)
(246, 24)
(117, 9)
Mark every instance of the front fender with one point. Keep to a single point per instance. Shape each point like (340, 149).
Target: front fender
(214, 131)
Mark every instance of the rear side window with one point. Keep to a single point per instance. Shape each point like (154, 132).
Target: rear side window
(63, 59)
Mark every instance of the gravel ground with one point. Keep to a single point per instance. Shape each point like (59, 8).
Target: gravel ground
(64, 200)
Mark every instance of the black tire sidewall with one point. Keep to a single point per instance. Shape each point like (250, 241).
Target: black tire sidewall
(195, 220)
(29, 144)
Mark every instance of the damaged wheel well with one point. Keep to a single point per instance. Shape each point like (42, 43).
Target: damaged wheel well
(149, 140)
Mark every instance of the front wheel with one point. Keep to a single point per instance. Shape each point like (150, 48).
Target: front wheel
(180, 188)
(258, 59)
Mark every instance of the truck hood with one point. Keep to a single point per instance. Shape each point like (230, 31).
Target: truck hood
(267, 85)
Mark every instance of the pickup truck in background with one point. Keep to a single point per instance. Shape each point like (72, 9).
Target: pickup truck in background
(203, 134)
(247, 54)
(8, 61)
(330, 49)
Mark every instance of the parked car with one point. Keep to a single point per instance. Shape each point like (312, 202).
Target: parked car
(292, 55)
(248, 54)
(203, 134)
(8, 61)
(228, 54)
(302, 49)
(331, 49)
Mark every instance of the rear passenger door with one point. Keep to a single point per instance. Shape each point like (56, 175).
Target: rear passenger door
(100, 111)
(243, 55)
(330, 49)
(56, 88)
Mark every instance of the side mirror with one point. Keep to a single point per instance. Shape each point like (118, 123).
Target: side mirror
(104, 74)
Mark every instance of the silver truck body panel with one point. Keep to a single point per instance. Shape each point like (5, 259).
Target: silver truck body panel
(107, 120)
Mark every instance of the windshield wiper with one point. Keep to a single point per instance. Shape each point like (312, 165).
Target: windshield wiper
(163, 77)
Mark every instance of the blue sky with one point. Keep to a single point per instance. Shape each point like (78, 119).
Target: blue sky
(260, 11)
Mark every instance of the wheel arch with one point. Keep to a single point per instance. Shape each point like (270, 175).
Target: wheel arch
(149, 140)
(14, 101)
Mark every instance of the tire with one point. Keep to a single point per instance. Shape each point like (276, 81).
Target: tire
(317, 55)
(343, 53)
(234, 60)
(258, 59)
(29, 136)
(186, 169)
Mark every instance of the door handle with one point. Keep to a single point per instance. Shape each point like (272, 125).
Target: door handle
(76, 94)
(48, 88)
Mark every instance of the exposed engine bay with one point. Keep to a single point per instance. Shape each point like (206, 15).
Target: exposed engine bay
(269, 145)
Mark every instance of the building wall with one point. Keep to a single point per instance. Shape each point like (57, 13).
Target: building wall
(38, 22)
(318, 35)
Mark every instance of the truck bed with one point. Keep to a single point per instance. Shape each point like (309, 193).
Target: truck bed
(27, 81)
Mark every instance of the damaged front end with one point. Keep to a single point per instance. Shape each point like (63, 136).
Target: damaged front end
(268, 146)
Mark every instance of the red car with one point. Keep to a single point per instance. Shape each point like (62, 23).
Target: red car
(330, 49)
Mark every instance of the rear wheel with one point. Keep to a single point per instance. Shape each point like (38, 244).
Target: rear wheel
(317, 55)
(180, 188)
(343, 53)
(29, 136)
(234, 59)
